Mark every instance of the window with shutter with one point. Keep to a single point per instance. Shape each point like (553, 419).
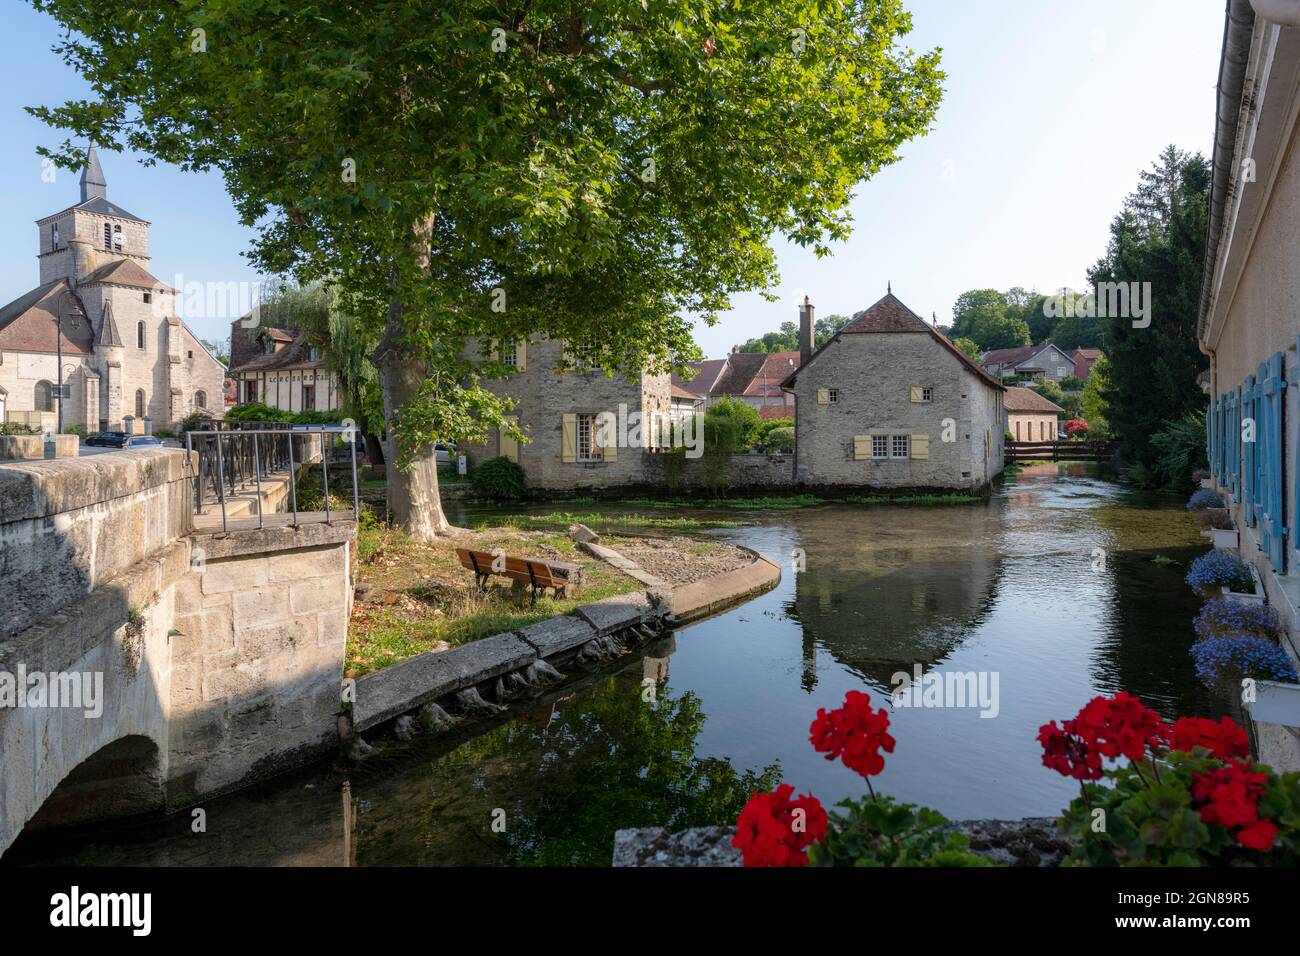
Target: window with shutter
(569, 438)
(1268, 449)
(823, 396)
(1249, 482)
(921, 447)
(861, 447)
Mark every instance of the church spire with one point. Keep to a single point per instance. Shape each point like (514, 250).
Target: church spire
(93, 185)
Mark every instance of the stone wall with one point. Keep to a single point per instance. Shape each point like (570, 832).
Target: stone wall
(748, 471)
(873, 376)
(30, 447)
(257, 663)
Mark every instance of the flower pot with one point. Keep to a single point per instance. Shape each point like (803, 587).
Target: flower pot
(1255, 597)
(1207, 483)
(1276, 703)
(1224, 538)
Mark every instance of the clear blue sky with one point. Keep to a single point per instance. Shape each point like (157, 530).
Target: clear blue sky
(1051, 109)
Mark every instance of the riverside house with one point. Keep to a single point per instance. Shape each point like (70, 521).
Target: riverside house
(1030, 416)
(559, 412)
(1248, 322)
(1032, 361)
(890, 402)
(279, 369)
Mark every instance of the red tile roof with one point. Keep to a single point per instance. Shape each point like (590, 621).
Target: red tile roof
(126, 272)
(1027, 400)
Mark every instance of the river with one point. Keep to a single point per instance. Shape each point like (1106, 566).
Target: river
(1063, 586)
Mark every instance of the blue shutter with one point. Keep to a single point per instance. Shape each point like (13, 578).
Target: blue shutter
(1209, 436)
(1234, 446)
(1269, 435)
(1249, 487)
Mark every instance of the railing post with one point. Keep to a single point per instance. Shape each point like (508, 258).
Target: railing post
(325, 472)
(293, 482)
(257, 479)
(221, 485)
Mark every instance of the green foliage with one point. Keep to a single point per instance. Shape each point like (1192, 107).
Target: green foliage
(768, 424)
(1180, 448)
(968, 347)
(1158, 237)
(499, 478)
(778, 439)
(990, 320)
(1096, 403)
(197, 422)
(1149, 819)
(647, 151)
(80, 430)
(18, 428)
(883, 832)
(259, 412)
(787, 338)
(735, 424)
(1071, 384)
(1051, 391)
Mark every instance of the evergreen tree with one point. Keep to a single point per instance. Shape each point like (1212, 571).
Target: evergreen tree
(1158, 237)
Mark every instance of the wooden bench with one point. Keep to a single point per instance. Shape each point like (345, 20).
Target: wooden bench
(537, 573)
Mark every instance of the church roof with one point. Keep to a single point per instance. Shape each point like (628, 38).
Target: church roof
(93, 183)
(126, 272)
(27, 324)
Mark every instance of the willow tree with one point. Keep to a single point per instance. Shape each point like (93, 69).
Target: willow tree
(603, 171)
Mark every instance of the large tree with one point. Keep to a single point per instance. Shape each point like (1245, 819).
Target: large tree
(1158, 237)
(599, 172)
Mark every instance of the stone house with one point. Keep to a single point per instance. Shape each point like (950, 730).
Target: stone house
(752, 377)
(1030, 416)
(890, 402)
(1084, 360)
(1248, 323)
(1034, 361)
(103, 324)
(279, 369)
(560, 413)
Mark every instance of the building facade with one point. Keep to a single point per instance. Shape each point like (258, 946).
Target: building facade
(101, 323)
(1030, 416)
(1250, 315)
(890, 402)
(560, 414)
(1046, 361)
(279, 369)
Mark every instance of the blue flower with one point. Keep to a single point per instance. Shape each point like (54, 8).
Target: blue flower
(1204, 498)
(1246, 656)
(1225, 617)
(1220, 567)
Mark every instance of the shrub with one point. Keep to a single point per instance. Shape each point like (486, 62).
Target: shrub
(256, 412)
(1219, 567)
(197, 422)
(1215, 518)
(1071, 384)
(18, 428)
(743, 417)
(499, 478)
(1204, 498)
(78, 430)
(778, 439)
(1180, 448)
(1227, 617)
(768, 424)
(1076, 428)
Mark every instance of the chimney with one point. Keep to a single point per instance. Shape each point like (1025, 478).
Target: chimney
(805, 331)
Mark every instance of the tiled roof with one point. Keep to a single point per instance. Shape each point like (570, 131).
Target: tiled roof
(296, 355)
(1027, 400)
(891, 315)
(27, 324)
(126, 272)
(770, 412)
(679, 392)
(739, 373)
(773, 371)
(1014, 356)
(1087, 353)
(706, 374)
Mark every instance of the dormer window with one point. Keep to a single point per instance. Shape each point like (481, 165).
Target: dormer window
(313, 354)
(268, 345)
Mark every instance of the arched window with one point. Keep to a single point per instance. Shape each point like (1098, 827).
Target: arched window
(139, 335)
(139, 403)
(43, 400)
(200, 400)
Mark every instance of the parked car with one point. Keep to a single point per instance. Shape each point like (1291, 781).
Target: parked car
(123, 440)
(444, 452)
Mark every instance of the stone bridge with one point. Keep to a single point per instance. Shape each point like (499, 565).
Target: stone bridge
(217, 656)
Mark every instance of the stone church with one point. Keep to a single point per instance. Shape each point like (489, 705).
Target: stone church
(102, 319)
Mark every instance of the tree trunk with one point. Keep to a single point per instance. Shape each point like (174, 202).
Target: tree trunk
(413, 501)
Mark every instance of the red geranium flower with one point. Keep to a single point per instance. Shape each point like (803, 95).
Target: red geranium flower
(1120, 726)
(1067, 753)
(1224, 739)
(853, 733)
(774, 830)
(1229, 797)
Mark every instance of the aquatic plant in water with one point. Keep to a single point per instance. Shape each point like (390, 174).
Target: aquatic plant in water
(1221, 567)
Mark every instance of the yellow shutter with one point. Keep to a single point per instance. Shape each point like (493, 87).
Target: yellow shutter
(921, 447)
(861, 447)
(917, 394)
(521, 355)
(569, 439)
(823, 396)
(509, 447)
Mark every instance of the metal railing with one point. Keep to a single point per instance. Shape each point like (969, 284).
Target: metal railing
(233, 462)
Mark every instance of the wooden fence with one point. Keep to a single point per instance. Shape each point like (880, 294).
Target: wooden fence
(1059, 450)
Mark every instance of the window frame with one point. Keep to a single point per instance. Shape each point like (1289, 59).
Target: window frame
(894, 440)
(883, 440)
(927, 393)
(832, 396)
(587, 424)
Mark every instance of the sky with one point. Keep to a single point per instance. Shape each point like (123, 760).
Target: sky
(1051, 109)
